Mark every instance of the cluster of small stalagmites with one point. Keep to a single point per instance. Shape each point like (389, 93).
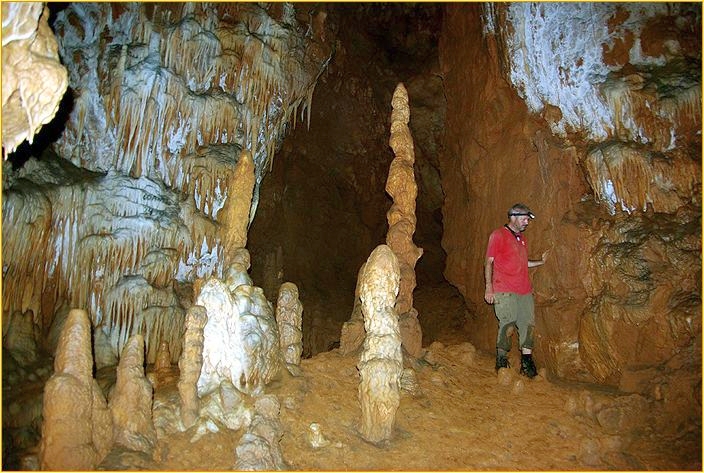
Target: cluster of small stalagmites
(77, 431)
(289, 317)
(401, 186)
(259, 448)
(241, 340)
(33, 78)
(131, 400)
(381, 363)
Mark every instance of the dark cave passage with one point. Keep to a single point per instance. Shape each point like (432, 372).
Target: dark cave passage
(323, 206)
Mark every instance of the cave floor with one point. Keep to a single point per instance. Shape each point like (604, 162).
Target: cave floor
(461, 416)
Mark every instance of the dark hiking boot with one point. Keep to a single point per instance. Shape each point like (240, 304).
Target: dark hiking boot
(527, 366)
(501, 362)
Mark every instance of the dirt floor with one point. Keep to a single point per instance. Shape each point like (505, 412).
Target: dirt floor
(459, 415)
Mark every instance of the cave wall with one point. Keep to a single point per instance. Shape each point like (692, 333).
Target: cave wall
(590, 114)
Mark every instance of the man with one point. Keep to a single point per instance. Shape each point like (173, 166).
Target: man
(509, 289)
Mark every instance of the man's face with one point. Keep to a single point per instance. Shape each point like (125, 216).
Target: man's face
(520, 221)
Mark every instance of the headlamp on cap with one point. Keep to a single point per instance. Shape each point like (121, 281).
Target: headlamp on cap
(520, 210)
(521, 214)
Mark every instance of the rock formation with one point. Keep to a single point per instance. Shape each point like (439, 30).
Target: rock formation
(33, 78)
(190, 364)
(259, 448)
(19, 338)
(165, 101)
(76, 428)
(289, 315)
(131, 400)
(381, 363)
(401, 186)
(241, 341)
(235, 213)
(352, 335)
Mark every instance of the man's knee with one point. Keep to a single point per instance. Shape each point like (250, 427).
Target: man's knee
(504, 339)
(529, 340)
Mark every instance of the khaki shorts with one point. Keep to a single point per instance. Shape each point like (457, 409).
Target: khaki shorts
(517, 310)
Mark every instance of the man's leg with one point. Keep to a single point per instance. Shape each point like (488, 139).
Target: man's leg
(525, 323)
(505, 310)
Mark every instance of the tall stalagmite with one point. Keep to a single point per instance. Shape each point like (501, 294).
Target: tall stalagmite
(131, 401)
(381, 362)
(190, 364)
(401, 186)
(76, 428)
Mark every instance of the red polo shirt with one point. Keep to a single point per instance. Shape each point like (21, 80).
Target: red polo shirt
(510, 261)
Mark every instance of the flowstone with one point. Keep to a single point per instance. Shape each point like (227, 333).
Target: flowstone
(241, 340)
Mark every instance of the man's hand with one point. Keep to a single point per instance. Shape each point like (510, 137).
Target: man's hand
(545, 256)
(489, 297)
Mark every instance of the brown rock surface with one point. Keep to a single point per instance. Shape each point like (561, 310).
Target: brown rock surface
(619, 293)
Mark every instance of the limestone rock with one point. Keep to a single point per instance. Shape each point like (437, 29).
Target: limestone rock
(259, 448)
(190, 364)
(131, 401)
(76, 428)
(19, 339)
(401, 186)
(381, 362)
(289, 317)
(33, 78)
(241, 340)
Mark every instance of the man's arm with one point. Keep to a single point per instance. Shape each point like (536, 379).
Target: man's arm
(534, 263)
(488, 280)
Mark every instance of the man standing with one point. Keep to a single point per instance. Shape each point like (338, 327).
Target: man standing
(509, 289)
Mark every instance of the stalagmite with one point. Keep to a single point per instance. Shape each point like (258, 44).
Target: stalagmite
(76, 428)
(289, 317)
(33, 78)
(163, 357)
(352, 335)
(131, 401)
(401, 186)
(190, 364)
(259, 448)
(381, 363)
(235, 214)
